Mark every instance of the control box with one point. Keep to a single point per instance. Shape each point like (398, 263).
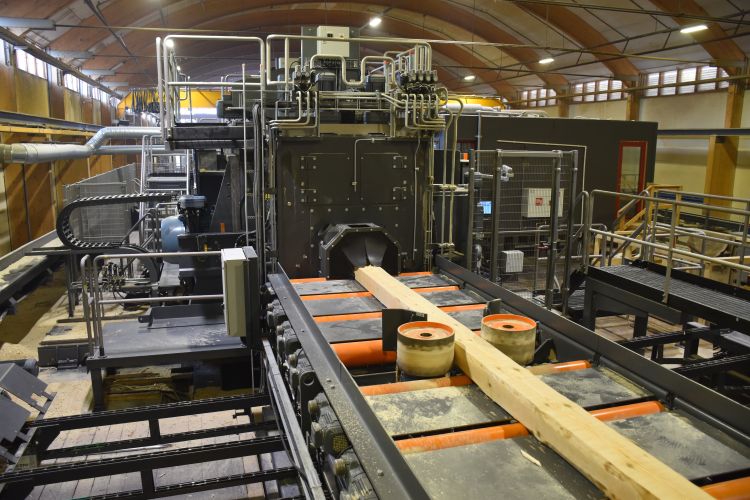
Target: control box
(239, 270)
(330, 46)
(537, 202)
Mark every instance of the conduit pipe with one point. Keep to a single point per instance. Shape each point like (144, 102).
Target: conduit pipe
(42, 153)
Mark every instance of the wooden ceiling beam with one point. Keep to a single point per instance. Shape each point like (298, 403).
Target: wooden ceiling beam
(441, 10)
(712, 40)
(586, 35)
(278, 17)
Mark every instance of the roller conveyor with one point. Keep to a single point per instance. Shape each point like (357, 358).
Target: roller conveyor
(449, 424)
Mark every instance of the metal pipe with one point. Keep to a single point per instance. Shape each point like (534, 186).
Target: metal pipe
(41, 153)
(553, 234)
(126, 149)
(174, 298)
(159, 85)
(700, 206)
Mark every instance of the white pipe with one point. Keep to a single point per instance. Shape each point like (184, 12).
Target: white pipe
(42, 153)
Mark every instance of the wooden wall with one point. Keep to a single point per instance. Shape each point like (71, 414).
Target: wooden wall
(32, 195)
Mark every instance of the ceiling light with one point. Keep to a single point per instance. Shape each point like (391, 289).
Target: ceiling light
(375, 22)
(546, 60)
(470, 78)
(178, 68)
(169, 43)
(693, 29)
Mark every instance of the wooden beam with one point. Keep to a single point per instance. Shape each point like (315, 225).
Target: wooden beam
(722, 150)
(51, 131)
(633, 106)
(611, 461)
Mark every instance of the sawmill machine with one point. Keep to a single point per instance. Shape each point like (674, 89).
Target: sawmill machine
(333, 249)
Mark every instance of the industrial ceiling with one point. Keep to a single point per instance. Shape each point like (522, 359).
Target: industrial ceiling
(113, 40)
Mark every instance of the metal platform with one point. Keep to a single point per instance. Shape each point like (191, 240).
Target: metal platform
(430, 410)
(370, 328)
(176, 334)
(499, 469)
(594, 387)
(684, 444)
(337, 304)
(691, 295)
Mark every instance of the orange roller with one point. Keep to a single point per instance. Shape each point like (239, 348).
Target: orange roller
(736, 489)
(567, 366)
(466, 307)
(447, 288)
(330, 296)
(628, 411)
(363, 353)
(347, 317)
(473, 436)
(415, 385)
(417, 273)
(461, 438)
(306, 280)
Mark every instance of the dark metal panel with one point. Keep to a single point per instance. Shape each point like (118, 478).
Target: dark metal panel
(346, 180)
(386, 468)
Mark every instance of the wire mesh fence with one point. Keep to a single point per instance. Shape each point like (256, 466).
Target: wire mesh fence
(106, 222)
(519, 223)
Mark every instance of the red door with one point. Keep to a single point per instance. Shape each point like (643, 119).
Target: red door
(631, 169)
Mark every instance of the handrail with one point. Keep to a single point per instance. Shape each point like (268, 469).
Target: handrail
(93, 298)
(648, 241)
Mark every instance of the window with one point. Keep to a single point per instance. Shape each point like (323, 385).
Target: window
(652, 80)
(687, 75)
(71, 82)
(85, 88)
(597, 90)
(53, 74)
(30, 64)
(537, 97)
(3, 52)
(680, 81)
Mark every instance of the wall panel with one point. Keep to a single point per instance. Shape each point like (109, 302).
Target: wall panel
(57, 101)
(73, 110)
(32, 94)
(8, 86)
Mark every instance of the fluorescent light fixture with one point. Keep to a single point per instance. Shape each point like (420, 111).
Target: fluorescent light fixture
(98, 72)
(470, 78)
(24, 22)
(375, 22)
(546, 60)
(70, 54)
(693, 29)
(169, 43)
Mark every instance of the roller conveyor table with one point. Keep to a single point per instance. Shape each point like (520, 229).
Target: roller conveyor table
(448, 424)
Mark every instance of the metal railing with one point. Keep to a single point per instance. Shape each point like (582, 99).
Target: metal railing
(92, 294)
(647, 234)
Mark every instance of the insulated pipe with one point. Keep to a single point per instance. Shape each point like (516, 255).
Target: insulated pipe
(41, 153)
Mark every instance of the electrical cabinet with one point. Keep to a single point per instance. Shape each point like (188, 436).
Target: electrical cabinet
(536, 202)
(330, 46)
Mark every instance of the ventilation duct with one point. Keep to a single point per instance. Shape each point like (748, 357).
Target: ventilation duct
(42, 153)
